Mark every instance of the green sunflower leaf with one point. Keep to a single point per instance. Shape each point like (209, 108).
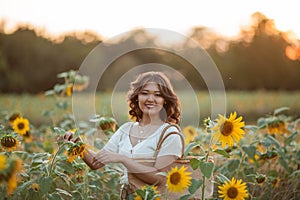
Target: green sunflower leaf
(290, 138)
(222, 152)
(64, 192)
(279, 110)
(66, 166)
(196, 184)
(206, 168)
(189, 147)
(222, 178)
(194, 163)
(185, 197)
(250, 151)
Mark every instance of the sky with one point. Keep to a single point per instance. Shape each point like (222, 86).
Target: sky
(109, 18)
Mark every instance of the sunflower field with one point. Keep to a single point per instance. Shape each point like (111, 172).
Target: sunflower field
(257, 161)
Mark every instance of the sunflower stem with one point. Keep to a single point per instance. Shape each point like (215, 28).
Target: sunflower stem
(146, 195)
(203, 188)
(86, 184)
(241, 161)
(203, 177)
(166, 195)
(54, 157)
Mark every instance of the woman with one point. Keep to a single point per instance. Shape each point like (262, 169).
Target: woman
(153, 106)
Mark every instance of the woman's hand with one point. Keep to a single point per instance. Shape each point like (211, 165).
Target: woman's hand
(106, 157)
(69, 136)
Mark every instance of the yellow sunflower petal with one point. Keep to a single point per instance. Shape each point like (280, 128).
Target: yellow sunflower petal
(2, 162)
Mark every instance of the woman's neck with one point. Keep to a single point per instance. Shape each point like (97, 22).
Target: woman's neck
(150, 121)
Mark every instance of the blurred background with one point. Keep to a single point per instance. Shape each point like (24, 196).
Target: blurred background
(258, 60)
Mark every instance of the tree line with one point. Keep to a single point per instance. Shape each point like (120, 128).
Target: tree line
(256, 59)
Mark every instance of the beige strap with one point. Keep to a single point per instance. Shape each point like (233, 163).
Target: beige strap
(166, 128)
(163, 137)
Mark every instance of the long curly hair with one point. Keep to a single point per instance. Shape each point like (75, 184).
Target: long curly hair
(171, 111)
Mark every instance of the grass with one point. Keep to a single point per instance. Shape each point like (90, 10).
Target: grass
(249, 104)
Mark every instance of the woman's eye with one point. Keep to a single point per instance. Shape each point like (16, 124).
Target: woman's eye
(159, 95)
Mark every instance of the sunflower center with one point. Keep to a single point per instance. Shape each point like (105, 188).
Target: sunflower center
(227, 128)
(8, 142)
(191, 132)
(36, 187)
(21, 126)
(175, 178)
(232, 192)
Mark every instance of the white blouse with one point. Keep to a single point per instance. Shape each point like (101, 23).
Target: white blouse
(120, 143)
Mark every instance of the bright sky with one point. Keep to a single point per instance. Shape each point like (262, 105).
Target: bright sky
(113, 17)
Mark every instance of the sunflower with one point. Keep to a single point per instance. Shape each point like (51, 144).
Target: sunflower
(260, 179)
(277, 127)
(27, 137)
(178, 179)
(269, 155)
(69, 90)
(233, 190)
(9, 142)
(12, 181)
(13, 117)
(79, 170)
(2, 162)
(138, 197)
(12, 184)
(260, 150)
(150, 190)
(35, 187)
(107, 124)
(275, 182)
(190, 134)
(21, 125)
(228, 130)
(75, 150)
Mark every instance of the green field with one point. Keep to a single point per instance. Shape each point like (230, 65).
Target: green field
(250, 105)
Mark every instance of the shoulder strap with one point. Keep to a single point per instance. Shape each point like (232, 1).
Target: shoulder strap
(163, 137)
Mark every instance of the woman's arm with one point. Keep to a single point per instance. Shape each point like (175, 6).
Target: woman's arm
(149, 174)
(145, 173)
(88, 157)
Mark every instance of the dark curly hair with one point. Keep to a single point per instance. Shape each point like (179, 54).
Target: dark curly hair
(171, 106)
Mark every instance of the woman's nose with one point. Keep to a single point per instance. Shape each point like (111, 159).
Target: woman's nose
(150, 97)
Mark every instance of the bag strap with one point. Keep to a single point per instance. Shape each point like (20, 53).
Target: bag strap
(163, 137)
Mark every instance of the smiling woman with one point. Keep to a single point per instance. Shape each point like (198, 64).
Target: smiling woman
(153, 107)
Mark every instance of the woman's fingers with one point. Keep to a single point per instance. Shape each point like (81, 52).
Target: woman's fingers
(69, 136)
(59, 138)
(78, 139)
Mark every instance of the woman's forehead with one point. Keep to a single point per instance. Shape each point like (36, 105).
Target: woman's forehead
(151, 86)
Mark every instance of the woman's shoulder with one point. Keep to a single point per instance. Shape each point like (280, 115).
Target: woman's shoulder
(126, 125)
(171, 127)
(123, 129)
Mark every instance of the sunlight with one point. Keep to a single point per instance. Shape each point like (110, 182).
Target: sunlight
(111, 18)
(293, 52)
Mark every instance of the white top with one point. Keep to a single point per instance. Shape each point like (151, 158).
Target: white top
(120, 143)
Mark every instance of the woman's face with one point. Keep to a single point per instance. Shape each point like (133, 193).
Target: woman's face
(150, 99)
